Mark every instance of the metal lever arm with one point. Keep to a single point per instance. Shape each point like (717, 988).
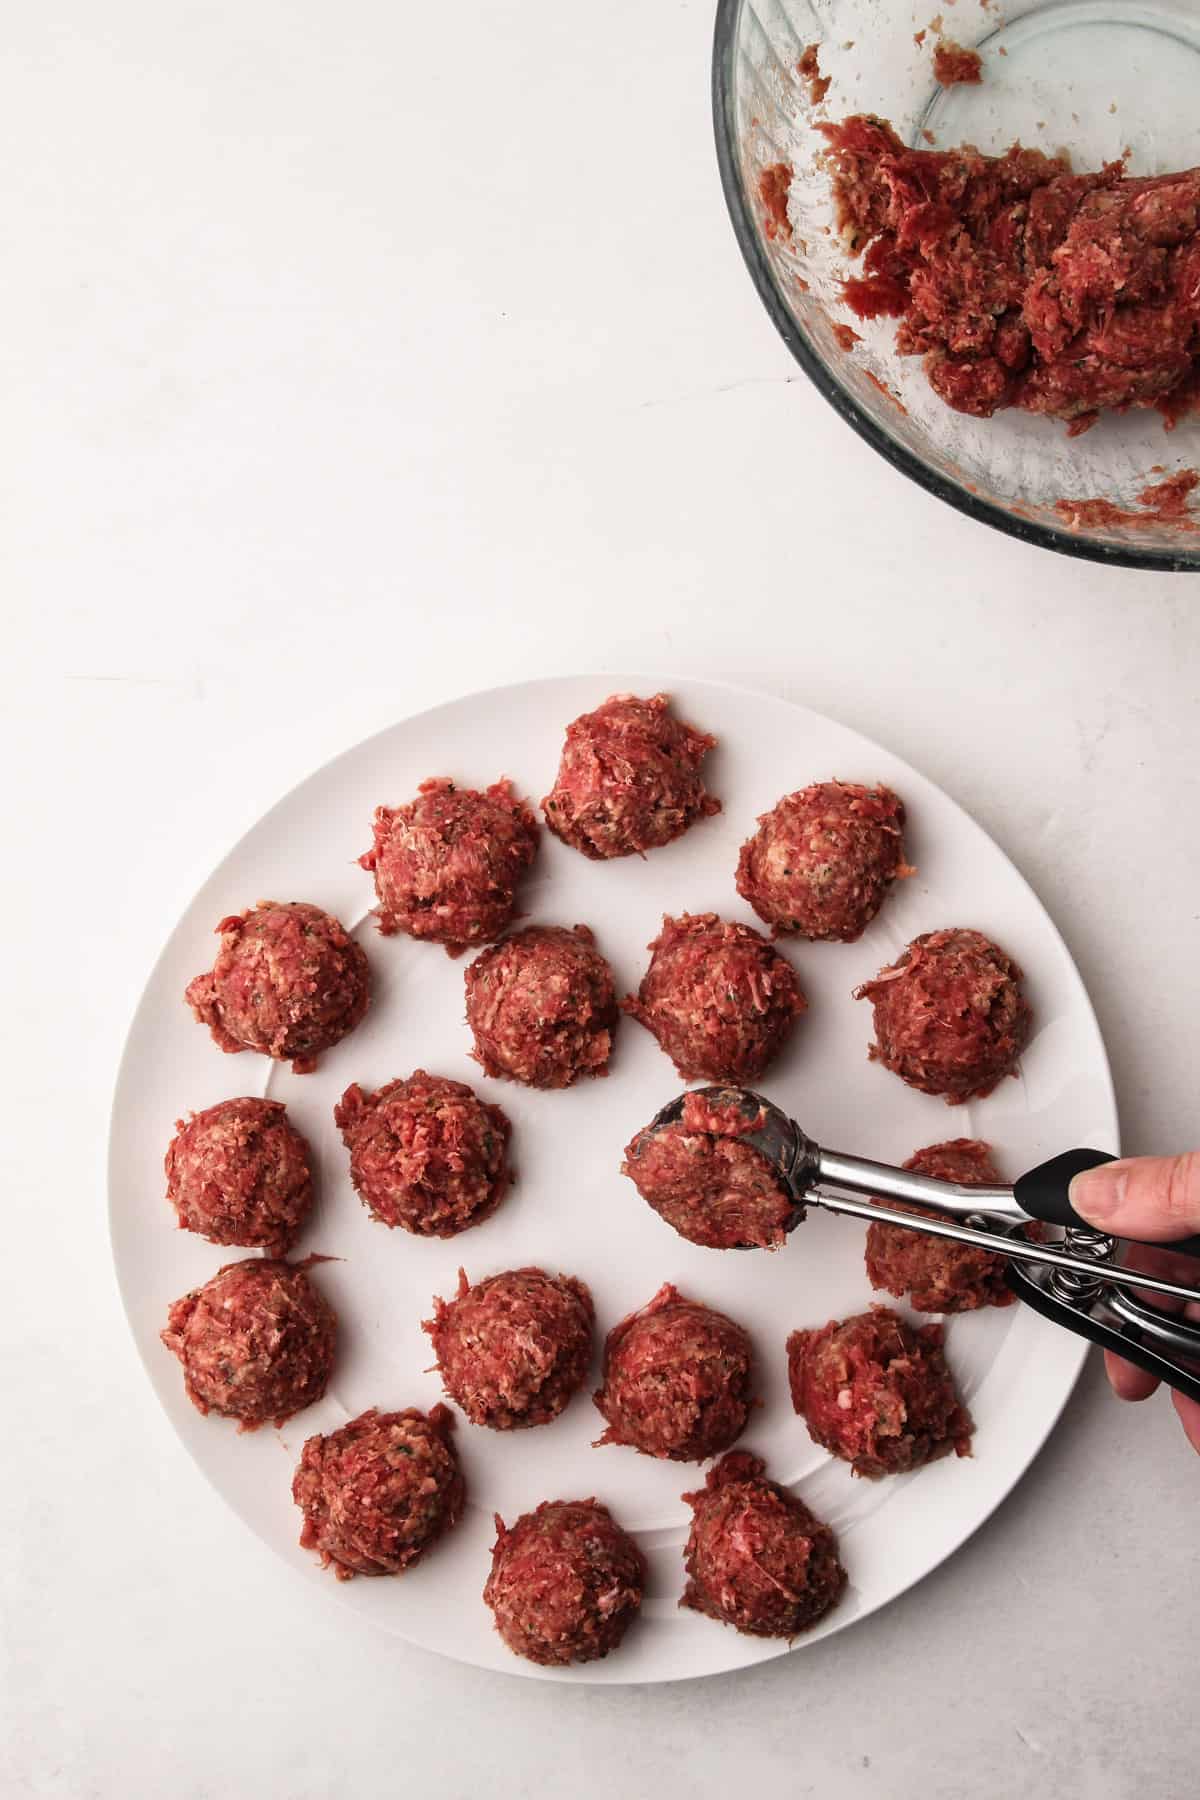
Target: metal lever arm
(1019, 1249)
(1126, 1338)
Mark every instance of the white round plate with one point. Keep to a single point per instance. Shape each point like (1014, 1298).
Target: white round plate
(571, 1208)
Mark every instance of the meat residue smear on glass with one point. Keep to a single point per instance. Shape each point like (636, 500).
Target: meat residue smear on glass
(1169, 499)
(1020, 282)
(954, 66)
(887, 393)
(810, 67)
(1163, 503)
(774, 186)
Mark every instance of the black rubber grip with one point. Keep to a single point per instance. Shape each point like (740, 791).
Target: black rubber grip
(1042, 1193)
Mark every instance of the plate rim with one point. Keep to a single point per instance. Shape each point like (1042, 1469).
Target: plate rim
(624, 681)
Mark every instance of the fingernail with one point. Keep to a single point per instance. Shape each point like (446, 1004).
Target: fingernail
(1096, 1194)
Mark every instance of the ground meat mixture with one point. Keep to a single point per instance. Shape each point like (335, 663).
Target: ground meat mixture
(513, 1349)
(950, 1017)
(287, 981)
(774, 186)
(542, 1007)
(566, 1582)
(629, 779)
(712, 1187)
(1021, 283)
(718, 998)
(1163, 503)
(238, 1173)
(876, 1392)
(952, 65)
(256, 1342)
(676, 1380)
(822, 860)
(447, 865)
(756, 1557)
(937, 1274)
(426, 1153)
(1170, 499)
(377, 1493)
(809, 67)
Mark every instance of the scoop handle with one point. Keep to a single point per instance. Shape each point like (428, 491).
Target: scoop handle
(1124, 1339)
(1042, 1193)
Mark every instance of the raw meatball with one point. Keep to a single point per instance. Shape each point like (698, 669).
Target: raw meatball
(756, 1557)
(377, 1493)
(238, 1173)
(676, 1380)
(717, 997)
(287, 981)
(566, 1582)
(629, 779)
(937, 1274)
(256, 1342)
(514, 1348)
(446, 866)
(426, 1153)
(822, 860)
(714, 1189)
(876, 1392)
(950, 1017)
(542, 1007)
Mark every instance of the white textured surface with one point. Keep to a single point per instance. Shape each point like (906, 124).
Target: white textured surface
(352, 362)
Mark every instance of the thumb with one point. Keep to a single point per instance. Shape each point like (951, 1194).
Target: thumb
(1152, 1198)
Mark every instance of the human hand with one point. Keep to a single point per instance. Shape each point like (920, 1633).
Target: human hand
(1152, 1199)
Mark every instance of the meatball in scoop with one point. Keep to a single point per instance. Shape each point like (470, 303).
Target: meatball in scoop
(705, 1180)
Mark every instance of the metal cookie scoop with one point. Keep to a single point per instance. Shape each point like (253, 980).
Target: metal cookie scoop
(1077, 1282)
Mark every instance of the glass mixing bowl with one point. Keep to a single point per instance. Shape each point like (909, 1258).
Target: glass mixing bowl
(1095, 77)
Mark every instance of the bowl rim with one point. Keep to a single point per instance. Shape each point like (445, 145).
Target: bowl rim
(745, 229)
